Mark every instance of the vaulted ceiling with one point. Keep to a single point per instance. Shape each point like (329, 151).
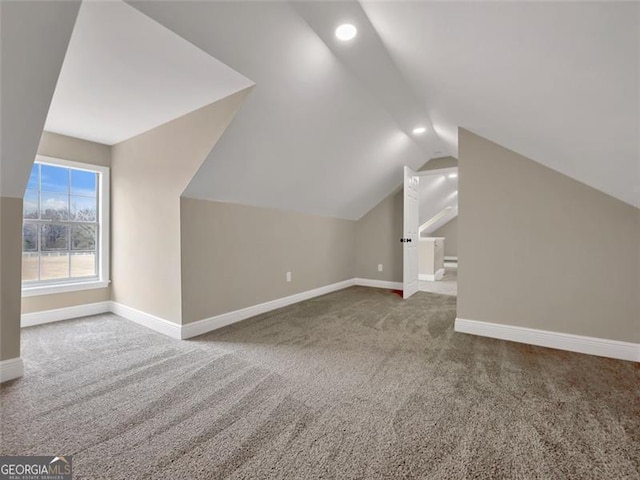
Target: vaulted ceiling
(311, 137)
(558, 82)
(328, 126)
(329, 123)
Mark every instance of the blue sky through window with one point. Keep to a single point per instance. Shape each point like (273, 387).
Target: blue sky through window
(56, 180)
(83, 183)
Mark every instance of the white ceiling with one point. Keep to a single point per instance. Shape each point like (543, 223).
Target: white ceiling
(311, 137)
(125, 74)
(328, 126)
(555, 81)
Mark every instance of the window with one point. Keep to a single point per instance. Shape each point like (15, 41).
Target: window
(65, 230)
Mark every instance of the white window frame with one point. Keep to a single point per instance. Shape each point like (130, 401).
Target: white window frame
(69, 285)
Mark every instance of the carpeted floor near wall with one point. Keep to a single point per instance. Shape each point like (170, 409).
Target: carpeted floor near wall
(354, 384)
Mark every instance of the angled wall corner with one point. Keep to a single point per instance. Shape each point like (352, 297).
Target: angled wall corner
(540, 250)
(236, 256)
(33, 44)
(35, 37)
(10, 275)
(149, 174)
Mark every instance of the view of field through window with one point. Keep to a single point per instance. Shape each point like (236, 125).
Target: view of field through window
(60, 224)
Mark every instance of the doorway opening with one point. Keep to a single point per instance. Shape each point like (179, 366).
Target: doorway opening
(430, 260)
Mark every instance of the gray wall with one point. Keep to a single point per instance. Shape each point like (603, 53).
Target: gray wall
(538, 249)
(450, 232)
(149, 173)
(378, 236)
(10, 276)
(236, 256)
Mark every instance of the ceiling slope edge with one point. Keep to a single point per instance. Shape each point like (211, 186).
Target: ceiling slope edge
(31, 63)
(125, 74)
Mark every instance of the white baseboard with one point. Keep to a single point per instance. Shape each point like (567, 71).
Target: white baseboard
(213, 323)
(48, 316)
(562, 341)
(158, 324)
(200, 327)
(432, 278)
(367, 282)
(11, 369)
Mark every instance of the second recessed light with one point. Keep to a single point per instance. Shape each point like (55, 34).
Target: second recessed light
(346, 32)
(419, 130)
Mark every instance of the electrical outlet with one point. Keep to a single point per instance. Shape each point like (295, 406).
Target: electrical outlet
(288, 276)
(379, 267)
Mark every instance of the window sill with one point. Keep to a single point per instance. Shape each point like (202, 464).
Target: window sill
(63, 288)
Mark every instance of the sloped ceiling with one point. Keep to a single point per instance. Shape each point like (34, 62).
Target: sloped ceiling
(124, 74)
(34, 40)
(311, 137)
(555, 81)
(328, 126)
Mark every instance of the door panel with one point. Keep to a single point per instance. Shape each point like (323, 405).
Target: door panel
(410, 238)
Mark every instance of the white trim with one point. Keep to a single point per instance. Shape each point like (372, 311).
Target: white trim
(104, 220)
(63, 162)
(147, 320)
(562, 341)
(450, 259)
(367, 282)
(200, 327)
(432, 278)
(104, 224)
(436, 171)
(38, 290)
(48, 316)
(434, 223)
(11, 369)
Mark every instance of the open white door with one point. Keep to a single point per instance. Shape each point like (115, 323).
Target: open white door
(410, 281)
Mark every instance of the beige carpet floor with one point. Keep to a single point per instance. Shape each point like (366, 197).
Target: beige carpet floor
(355, 384)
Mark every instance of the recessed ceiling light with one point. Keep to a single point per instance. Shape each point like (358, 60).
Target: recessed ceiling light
(346, 32)
(419, 130)
(453, 175)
